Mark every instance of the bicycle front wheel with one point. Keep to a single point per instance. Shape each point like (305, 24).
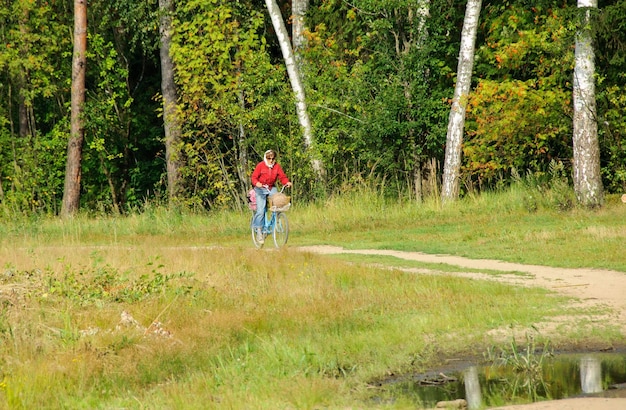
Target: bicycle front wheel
(281, 230)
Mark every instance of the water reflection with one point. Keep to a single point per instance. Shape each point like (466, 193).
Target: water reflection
(560, 377)
(590, 375)
(472, 388)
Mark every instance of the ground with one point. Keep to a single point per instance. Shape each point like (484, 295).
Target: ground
(590, 288)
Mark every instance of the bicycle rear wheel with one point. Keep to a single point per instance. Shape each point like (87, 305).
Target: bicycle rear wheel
(281, 230)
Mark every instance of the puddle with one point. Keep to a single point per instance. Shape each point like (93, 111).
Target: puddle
(556, 377)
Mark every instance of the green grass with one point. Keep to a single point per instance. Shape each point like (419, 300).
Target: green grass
(392, 261)
(218, 324)
(493, 226)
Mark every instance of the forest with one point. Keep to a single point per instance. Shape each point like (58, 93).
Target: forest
(378, 79)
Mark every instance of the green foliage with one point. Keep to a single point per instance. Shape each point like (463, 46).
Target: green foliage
(514, 124)
(107, 285)
(610, 38)
(31, 118)
(611, 65)
(612, 132)
(107, 116)
(122, 134)
(551, 190)
(518, 115)
(227, 85)
(134, 23)
(379, 102)
(31, 42)
(35, 68)
(34, 172)
(378, 84)
(524, 43)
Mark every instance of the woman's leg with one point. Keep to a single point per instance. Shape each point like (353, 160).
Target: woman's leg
(259, 214)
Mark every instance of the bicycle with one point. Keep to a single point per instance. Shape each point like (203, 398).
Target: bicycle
(276, 224)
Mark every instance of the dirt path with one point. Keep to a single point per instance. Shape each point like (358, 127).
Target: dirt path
(590, 287)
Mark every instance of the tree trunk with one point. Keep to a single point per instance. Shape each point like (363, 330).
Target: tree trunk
(24, 123)
(456, 122)
(298, 10)
(421, 14)
(418, 180)
(295, 79)
(22, 81)
(71, 192)
(171, 123)
(431, 169)
(586, 166)
(242, 151)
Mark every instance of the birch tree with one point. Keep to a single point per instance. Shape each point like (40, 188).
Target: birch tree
(586, 164)
(299, 9)
(295, 79)
(71, 191)
(456, 122)
(171, 123)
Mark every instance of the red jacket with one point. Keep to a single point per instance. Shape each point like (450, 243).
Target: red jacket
(268, 176)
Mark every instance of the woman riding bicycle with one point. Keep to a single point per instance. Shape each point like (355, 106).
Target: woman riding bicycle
(263, 179)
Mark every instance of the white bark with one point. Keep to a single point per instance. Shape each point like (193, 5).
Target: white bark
(294, 78)
(456, 122)
(590, 375)
(423, 13)
(472, 388)
(299, 9)
(586, 164)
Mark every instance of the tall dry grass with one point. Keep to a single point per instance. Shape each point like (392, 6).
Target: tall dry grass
(227, 327)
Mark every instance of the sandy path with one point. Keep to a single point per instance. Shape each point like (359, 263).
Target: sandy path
(591, 287)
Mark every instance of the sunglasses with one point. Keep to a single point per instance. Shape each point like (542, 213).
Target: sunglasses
(271, 158)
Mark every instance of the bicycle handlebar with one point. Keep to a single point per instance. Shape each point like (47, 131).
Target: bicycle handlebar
(269, 190)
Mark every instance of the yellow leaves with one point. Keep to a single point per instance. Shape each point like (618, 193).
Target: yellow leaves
(513, 124)
(311, 37)
(499, 60)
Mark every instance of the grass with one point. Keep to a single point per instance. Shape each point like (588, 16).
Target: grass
(217, 324)
(492, 226)
(392, 261)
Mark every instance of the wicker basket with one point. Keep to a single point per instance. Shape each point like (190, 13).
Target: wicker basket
(280, 209)
(279, 200)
